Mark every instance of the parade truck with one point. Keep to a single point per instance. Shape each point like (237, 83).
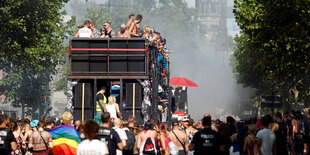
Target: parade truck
(132, 70)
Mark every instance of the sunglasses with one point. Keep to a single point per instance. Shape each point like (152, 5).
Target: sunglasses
(104, 25)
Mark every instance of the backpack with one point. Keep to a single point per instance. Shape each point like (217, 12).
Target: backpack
(149, 147)
(130, 140)
(105, 135)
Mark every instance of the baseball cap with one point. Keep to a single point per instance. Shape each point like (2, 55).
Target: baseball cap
(185, 119)
(34, 123)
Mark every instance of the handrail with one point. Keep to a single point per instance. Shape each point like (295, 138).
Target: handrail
(106, 49)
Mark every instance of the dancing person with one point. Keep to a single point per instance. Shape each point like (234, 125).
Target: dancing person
(121, 132)
(164, 139)
(91, 145)
(179, 138)
(252, 144)
(85, 32)
(205, 141)
(267, 136)
(113, 108)
(146, 139)
(94, 30)
(16, 129)
(108, 135)
(40, 140)
(133, 30)
(8, 144)
(123, 33)
(130, 21)
(108, 32)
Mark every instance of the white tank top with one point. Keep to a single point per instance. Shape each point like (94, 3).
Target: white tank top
(112, 110)
(85, 32)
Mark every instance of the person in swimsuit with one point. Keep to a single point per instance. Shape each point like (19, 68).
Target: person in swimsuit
(252, 144)
(164, 140)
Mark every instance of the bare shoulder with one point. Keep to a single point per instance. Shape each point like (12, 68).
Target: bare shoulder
(170, 134)
(182, 133)
(154, 133)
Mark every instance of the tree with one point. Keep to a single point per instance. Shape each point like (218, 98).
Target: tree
(272, 51)
(31, 48)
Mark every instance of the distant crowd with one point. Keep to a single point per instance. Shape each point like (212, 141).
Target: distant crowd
(280, 134)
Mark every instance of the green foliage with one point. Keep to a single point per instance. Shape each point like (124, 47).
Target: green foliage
(31, 46)
(272, 51)
(61, 83)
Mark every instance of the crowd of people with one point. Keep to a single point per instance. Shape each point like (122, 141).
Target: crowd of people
(157, 44)
(280, 134)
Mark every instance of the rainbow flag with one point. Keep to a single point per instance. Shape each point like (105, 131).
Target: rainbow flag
(65, 140)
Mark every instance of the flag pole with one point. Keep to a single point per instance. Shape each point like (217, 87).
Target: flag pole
(83, 91)
(133, 99)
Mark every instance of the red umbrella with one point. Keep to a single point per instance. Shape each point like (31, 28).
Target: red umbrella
(183, 82)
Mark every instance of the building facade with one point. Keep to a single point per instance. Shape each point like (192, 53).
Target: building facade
(213, 15)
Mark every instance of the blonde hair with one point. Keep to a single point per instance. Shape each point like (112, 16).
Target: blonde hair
(123, 25)
(147, 29)
(66, 118)
(253, 128)
(111, 99)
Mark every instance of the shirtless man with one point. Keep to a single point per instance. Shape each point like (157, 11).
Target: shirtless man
(190, 131)
(123, 33)
(130, 21)
(133, 30)
(177, 137)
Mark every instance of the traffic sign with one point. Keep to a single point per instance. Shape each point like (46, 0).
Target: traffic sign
(269, 101)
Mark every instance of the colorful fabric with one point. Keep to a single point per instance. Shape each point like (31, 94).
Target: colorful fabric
(97, 119)
(65, 140)
(37, 142)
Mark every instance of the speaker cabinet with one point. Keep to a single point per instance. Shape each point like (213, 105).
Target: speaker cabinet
(129, 95)
(129, 112)
(98, 64)
(118, 62)
(88, 113)
(87, 95)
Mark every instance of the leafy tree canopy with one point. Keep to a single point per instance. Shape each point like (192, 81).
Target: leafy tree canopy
(273, 49)
(31, 46)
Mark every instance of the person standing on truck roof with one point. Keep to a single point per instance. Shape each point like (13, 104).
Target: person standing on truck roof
(123, 33)
(85, 32)
(101, 101)
(94, 30)
(108, 32)
(133, 30)
(130, 21)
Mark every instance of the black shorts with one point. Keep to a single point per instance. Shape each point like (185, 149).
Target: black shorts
(182, 152)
